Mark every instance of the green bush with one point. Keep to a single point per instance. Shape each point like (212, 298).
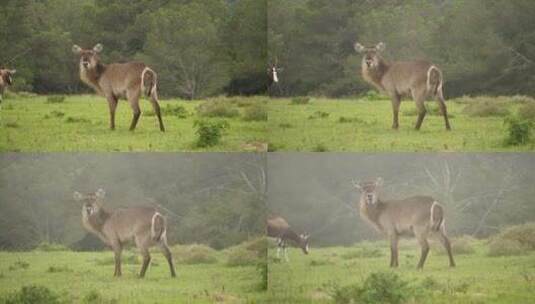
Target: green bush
(518, 131)
(255, 112)
(300, 100)
(209, 132)
(55, 99)
(459, 245)
(240, 256)
(217, 108)
(514, 240)
(527, 111)
(380, 287)
(505, 247)
(46, 246)
(32, 295)
(194, 254)
(373, 95)
(486, 108)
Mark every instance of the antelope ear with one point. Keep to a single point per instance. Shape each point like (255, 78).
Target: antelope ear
(100, 193)
(358, 47)
(98, 48)
(76, 49)
(379, 181)
(380, 47)
(77, 196)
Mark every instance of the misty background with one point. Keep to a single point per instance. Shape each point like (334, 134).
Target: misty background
(216, 199)
(482, 46)
(482, 193)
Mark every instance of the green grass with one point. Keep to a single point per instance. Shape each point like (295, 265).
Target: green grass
(365, 125)
(477, 278)
(75, 275)
(81, 123)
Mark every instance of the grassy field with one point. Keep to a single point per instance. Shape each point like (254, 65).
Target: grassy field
(87, 277)
(365, 125)
(478, 278)
(81, 123)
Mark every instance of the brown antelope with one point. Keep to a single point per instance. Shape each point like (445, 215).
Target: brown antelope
(119, 80)
(6, 79)
(146, 226)
(419, 79)
(278, 228)
(421, 216)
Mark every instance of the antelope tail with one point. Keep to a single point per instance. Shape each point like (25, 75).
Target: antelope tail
(157, 227)
(434, 80)
(437, 216)
(149, 80)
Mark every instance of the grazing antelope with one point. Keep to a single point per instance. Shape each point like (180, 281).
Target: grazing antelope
(146, 226)
(119, 80)
(419, 79)
(6, 79)
(421, 216)
(278, 228)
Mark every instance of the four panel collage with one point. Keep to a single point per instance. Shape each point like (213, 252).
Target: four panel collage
(267, 151)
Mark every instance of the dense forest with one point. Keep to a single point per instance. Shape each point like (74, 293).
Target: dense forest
(215, 199)
(197, 47)
(482, 193)
(483, 46)
(201, 48)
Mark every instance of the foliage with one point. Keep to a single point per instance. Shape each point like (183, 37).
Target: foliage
(194, 254)
(518, 130)
(514, 240)
(217, 108)
(486, 108)
(209, 132)
(32, 294)
(527, 111)
(255, 112)
(379, 287)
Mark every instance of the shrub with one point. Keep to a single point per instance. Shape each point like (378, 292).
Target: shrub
(209, 132)
(240, 256)
(194, 254)
(255, 112)
(217, 108)
(380, 287)
(522, 99)
(54, 269)
(514, 240)
(55, 99)
(486, 108)
(373, 95)
(527, 111)
(300, 100)
(45, 246)
(504, 247)
(32, 294)
(320, 148)
(258, 245)
(19, 265)
(459, 245)
(518, 131)
(71, 119)
(319, 114)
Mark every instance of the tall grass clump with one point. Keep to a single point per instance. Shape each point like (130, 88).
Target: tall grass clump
(486, 107)
(527, 111)
(515, 240)
(518, 131)
(32, 294)
(255, 112)
(209, 132)
(248, 253)
(300, 100)
(379, 287)
(194, 254)
(217, 108)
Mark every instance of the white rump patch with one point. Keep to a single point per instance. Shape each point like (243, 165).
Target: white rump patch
(153, 221)
(275, 76)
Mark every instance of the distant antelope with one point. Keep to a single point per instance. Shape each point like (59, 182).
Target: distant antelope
(273, 77)
(278, 228)
(146, 226)
(421, 216)
(419, 79)
(6, 79)
(119, 80)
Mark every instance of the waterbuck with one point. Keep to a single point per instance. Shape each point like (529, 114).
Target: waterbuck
(6, 79)
(119, 80)
(278, 228)
(419, 79)
(146, 226)
(421, 216)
